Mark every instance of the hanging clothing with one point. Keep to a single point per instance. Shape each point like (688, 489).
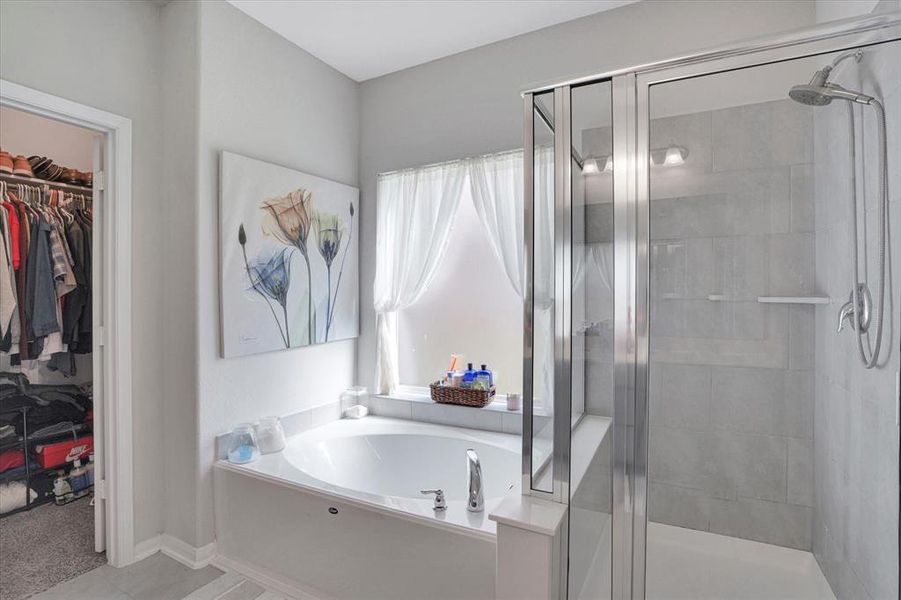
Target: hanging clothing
(45, 278)
(8, 300)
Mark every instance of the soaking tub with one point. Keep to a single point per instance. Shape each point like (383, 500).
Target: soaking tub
(339, 514)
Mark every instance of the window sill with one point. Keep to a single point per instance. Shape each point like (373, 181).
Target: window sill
(414, 394)
(416, 404)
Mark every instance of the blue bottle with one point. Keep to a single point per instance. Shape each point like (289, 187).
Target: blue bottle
(468, 375)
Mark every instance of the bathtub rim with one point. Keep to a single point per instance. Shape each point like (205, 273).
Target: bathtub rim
(357, 498)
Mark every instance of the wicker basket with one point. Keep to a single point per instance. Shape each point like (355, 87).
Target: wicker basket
(461, 396)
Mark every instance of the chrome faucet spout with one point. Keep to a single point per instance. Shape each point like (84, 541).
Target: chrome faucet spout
(475, 501)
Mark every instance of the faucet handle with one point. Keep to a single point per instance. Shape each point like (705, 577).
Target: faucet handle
(846, 313)
(440, 502)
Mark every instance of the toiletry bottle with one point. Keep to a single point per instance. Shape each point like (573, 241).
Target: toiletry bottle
(484, 371)
(481, 382)
(62, 491)
(89, 471)
(468, 375)
(77, 479)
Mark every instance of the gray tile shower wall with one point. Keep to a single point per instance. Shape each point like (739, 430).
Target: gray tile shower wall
(732, 381)
(856, 442)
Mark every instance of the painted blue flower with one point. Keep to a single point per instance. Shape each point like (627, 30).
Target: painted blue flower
(272, 275)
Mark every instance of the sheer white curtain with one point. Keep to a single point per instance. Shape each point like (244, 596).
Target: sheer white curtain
(496, 181)
(593, 275)
(415, 214)
(543, 290)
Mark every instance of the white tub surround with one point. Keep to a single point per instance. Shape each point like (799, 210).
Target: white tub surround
(529, 534)
(339, 513)
(294, 423)
(529, 543)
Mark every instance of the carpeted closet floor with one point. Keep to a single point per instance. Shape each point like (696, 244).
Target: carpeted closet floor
(44, 546)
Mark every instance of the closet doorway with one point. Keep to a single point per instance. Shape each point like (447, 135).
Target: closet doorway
(65, 334)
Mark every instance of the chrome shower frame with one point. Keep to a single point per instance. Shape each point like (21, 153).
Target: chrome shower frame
(631, 208)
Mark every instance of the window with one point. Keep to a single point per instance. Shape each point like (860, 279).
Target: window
(469, 308)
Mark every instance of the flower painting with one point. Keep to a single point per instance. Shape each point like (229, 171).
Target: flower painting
(289, 258)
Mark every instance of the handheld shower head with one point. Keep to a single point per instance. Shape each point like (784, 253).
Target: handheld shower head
(821, 95)
(811, 95)
(820, 91)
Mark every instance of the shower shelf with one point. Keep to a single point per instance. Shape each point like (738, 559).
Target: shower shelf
(794, 299)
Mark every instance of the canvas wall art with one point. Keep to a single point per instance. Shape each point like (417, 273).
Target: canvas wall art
(289, 257)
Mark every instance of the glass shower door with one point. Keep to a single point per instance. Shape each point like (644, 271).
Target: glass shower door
(591, 472)
(569, 323)
(687, 395)
(771, 444)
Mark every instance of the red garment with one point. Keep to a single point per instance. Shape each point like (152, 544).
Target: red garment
(10, 459)
(24, 234)
(13, 233)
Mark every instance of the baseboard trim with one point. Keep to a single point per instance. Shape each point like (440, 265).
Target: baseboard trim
(266, 579)
(176, 549)
(147, 548)
(185, 553)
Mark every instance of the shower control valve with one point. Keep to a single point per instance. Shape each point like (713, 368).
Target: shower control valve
(861, 312)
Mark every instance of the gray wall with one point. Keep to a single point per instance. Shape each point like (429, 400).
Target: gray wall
(179, 381)
(195, 78)
(106, 55)
(855, 533)
(469, 104)
(263, 97)
(731, 389)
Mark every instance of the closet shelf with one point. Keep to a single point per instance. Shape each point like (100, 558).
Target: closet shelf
(53, 185)
(794, 299)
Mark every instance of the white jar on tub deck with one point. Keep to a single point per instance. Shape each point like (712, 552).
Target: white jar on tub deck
(270, 435)
(243, 447)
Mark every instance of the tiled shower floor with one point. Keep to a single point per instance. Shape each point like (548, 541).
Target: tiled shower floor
(688, 564)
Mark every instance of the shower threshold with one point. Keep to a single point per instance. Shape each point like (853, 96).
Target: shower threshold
(685, 563)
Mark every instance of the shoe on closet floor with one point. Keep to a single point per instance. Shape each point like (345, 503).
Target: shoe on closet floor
(21, 167)
(6, 162)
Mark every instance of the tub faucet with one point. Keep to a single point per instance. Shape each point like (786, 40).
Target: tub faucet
(476, 500)
(440, 502)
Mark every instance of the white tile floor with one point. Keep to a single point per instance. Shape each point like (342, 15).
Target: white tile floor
(157, 578)
(686, 564)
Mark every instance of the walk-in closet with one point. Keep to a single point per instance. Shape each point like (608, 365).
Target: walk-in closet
(48, 531)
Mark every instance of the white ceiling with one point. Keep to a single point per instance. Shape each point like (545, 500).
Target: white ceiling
(364, 39)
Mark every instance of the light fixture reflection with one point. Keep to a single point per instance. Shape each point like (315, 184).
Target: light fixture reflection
(674, 156)
(590, 166)
(671, 156)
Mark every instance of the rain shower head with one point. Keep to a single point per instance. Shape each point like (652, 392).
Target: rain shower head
(820, 92)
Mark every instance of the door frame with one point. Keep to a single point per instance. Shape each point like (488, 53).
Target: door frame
(112, 350)
(631, 206)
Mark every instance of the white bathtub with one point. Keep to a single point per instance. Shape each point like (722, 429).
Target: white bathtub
(345, 519)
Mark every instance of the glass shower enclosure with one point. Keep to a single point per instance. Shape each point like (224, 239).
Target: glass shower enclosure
(697, 231)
